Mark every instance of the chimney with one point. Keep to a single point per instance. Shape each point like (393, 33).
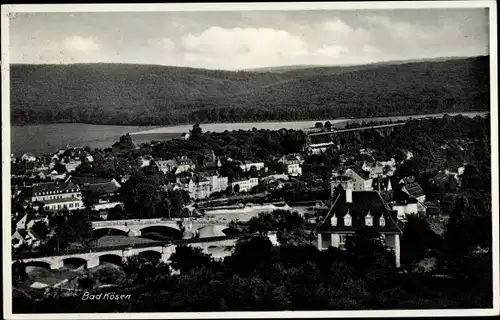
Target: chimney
(348, 194)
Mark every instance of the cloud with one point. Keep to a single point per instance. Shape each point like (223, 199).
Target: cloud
(244, 47)
(165, 43)
(337, 25)
(370, 50)
(332, 51)
(78, 43)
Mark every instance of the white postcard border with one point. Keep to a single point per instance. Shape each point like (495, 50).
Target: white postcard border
(8, 10)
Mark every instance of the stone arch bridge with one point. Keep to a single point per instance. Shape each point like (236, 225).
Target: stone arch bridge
(135, 227)
(117, 255)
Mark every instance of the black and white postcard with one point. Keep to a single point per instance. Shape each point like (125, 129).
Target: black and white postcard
(250, 160)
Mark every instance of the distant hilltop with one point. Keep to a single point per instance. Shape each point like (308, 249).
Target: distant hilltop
(162, 95)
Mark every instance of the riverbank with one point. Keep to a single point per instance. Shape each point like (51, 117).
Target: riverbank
(46, 138)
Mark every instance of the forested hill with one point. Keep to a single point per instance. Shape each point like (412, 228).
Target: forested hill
(159, 95)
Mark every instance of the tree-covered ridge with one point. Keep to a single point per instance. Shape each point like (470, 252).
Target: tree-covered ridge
(156, 95)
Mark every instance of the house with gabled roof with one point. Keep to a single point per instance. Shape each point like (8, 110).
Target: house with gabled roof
(404, 204)
(23, 236)
(29, 157)
(166, 166)
(361, 179)
(57, 195)
(356, 210)
(292, 164)
(415, 190)
(382, 184)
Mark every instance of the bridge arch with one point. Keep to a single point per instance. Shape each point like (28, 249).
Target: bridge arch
(38, 263)
(150, 255)
(100, 232)
(74, 262)
(110, 258)
(161, 232)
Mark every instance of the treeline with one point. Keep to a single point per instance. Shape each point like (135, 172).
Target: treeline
(261, 277)
(149, 95)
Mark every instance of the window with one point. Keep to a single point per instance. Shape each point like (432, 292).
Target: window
(342, 239)
(381, 221)
(347, 220)
(333, 220)
(369, 220)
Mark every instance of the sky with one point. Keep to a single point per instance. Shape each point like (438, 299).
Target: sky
(248, 39)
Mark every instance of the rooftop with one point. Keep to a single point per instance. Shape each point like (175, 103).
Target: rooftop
(101, 188)
(363, 202)
(53, 186)
(414, 189)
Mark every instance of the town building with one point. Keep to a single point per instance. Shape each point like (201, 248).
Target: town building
(57, 195)
(72, 165)
(145, 161)
(340, 180)
(382, 184)
(247, 166)
(357, 210)
(292, 164)
(184, 164)
(29, 157)
(245, 185)
(199, 190)
(415, 190)
(361, 179)
(218, 183)
(404, 205)
(26, 237)
(166, 166)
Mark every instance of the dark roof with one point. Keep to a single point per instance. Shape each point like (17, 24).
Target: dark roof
(101, 188)
(362, 173)
(23, 233)
(53, 186)
(90, 179)
(382, 182)
(414, 189)
(432, 208)
(440, 177)
(363, 202)
(402, 197)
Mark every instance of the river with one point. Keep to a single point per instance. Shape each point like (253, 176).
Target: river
(47, 138)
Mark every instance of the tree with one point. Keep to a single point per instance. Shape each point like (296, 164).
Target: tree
(369, 256)
(251, 256)
(196, 132)
(40, 229)
(59, 168)
(90, 198)
(18, 272)
(469, 224)
(263, 223)
(418, 242)
(126, 142)
(318, 125)
(328, 125)
(70, 228)
(187, 258)
(236, 188)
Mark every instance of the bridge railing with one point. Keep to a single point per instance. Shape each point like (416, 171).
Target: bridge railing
(131, 222)
(357, 129)
(130, 246)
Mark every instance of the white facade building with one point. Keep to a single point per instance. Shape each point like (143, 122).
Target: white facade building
(246, 185)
